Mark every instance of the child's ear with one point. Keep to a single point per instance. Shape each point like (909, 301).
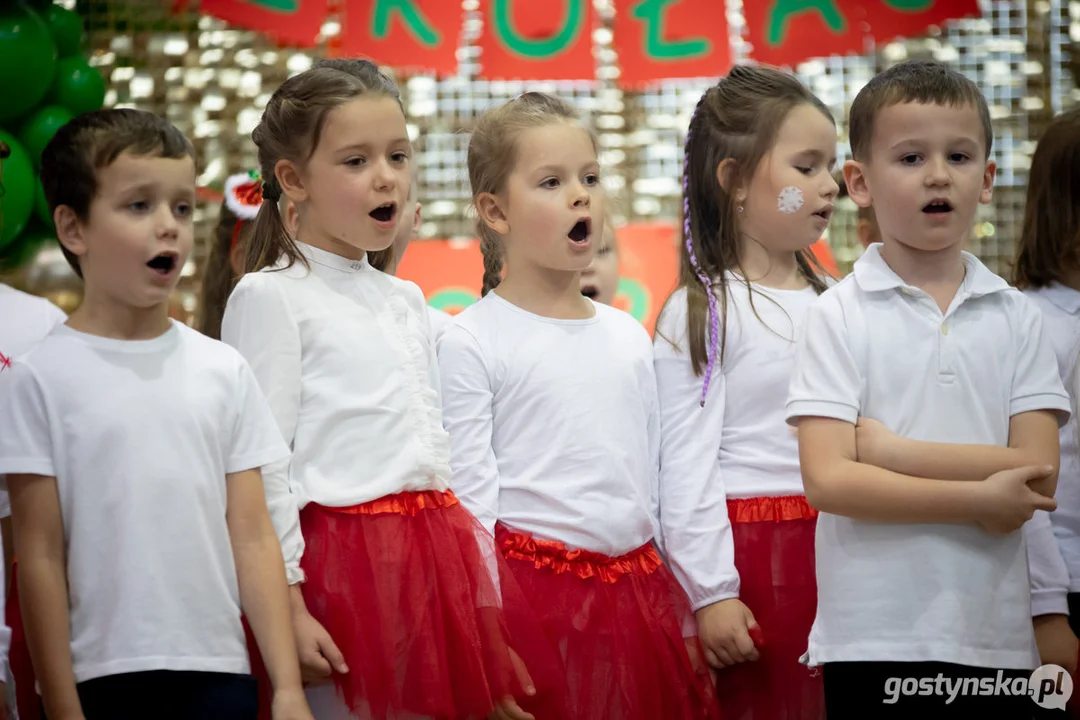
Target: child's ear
(987, 193)
(290, 180)
(69, 230)
(855, 181)
(725, 174)
(492, 213)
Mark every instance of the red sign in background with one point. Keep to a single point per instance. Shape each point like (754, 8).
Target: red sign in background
(450, 272)
(553, 39)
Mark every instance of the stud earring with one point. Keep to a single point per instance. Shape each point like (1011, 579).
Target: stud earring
(738, 209)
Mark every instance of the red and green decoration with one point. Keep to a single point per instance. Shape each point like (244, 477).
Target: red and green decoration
(552, 39)
(46, 82)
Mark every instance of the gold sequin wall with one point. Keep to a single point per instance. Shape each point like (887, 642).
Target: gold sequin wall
(212, 80)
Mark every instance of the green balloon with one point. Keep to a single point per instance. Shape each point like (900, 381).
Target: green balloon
(78, 87)
(41, 206)
(66, 29)
(27, 60)
(39, 129)
(19, 186)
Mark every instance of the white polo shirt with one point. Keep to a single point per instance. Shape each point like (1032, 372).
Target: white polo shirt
(874, 346)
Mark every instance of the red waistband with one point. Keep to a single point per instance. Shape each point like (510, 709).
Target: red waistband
(770, 509)
(403, 503)
(555, 556)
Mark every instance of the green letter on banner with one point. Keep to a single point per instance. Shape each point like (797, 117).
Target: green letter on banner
(910, 5)
(289, 6)
(783, 9)
(415, 23)
(450, 298)
(554, 45)
(651, 12)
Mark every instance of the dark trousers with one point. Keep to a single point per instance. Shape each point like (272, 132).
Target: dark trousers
(170, 695)
(907, 690)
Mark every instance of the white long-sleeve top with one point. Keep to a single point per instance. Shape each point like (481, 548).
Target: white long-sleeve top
(553, 423)
(738, 445)
(1060, 306)
(345, 356)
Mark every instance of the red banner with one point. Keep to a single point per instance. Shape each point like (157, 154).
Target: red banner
(552, 39)
(787, 32)
(890, 19)
(658, 39)
(289, 22)
(532, 40)
(403, 33)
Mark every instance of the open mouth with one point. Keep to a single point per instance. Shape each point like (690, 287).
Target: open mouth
(163, 264)
(590, 291)
(938, 206)
(384, 213)
(824, 214)
(581, 231)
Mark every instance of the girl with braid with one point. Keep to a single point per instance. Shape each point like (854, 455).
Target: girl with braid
(758, 190)
(550, 400)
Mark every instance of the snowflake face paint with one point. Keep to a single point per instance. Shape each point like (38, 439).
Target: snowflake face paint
(790, 200)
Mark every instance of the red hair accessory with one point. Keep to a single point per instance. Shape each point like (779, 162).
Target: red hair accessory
(243, 197)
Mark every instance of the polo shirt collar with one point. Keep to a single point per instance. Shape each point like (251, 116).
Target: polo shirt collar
(873, 274)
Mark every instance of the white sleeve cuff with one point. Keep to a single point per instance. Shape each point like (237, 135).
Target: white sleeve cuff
(1049, 602)
(821, 408)
(294, 575)
(725, 594)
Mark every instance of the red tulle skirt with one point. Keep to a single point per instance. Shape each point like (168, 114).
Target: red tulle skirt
(426, 614)
(774, 554)
(624, 629)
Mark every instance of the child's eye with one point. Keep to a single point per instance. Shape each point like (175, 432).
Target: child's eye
(183, 210)
(550, 183)
(592, 179)
(355, 161)
(909, 159)
(805, 170)
(139, 206)
(958, 157)
(400, 157)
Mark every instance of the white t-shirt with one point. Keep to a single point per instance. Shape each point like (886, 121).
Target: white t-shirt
(878, 347)
(554, 424)
(738, 445)
(140, 436)
(24, 321)
(345, 356)
(439, 320)
(1060, 306)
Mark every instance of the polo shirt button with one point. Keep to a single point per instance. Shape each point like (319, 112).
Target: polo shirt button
(944, 328)
(906, 291)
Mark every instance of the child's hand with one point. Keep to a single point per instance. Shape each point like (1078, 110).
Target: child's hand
(1057, 644)
(875, 444)
(291, 705)
(1006, 500)
(725, 629)
(319, 656)
(507, 708)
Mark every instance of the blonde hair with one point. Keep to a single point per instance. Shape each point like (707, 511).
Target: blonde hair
(493, 153)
